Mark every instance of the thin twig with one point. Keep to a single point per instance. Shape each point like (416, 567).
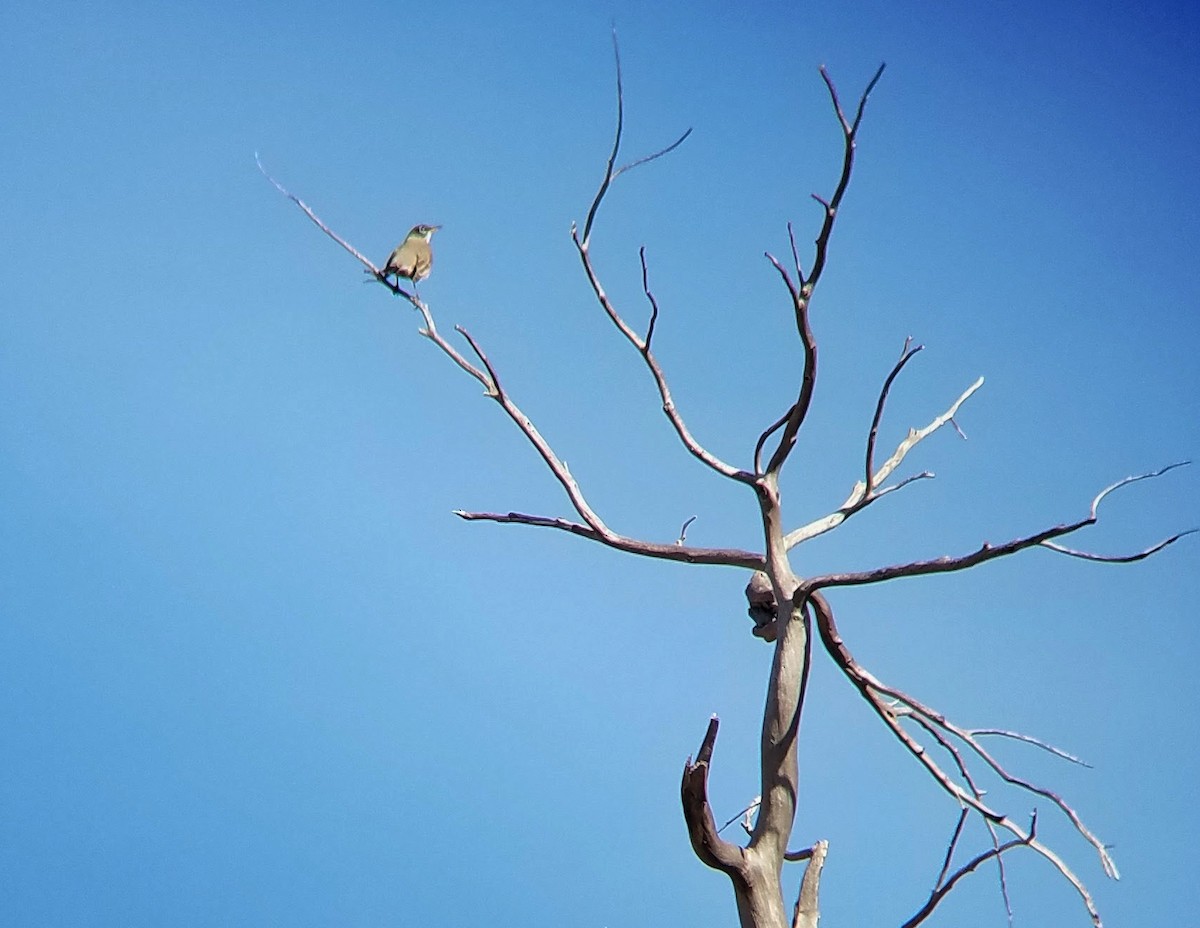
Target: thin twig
(958, 827)
(906, 355)
(1134, 479)
(1118, 558)
(658, 154)
(942, 890)
(649, 296)
(683, 530)
(366, 262)
(795, 254)
(611, 172)
(1028, 739)
(743, 813)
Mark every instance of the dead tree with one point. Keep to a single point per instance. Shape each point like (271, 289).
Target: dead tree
(790, 609)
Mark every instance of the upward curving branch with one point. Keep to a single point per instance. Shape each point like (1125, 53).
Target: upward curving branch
(611, 171)
(801, 291)
(640, 344)
(869, 490)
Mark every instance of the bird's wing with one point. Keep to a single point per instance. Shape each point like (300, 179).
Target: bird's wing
(395, 262)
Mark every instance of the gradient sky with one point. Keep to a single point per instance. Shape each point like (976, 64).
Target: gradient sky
(252, 670)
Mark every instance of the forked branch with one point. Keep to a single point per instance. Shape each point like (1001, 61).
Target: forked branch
(611, 171)
(640, 344)
(867, 491)
(873, 692)
(594, 527)
(989, 552)
(945, 885)
(800, 292)
(850, 140)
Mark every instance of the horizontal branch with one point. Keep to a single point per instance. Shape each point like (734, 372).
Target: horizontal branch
(673, 551)
(987, 551)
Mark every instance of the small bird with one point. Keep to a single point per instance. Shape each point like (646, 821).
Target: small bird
(413, 257)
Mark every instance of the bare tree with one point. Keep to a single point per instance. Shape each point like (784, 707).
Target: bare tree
(788, 607)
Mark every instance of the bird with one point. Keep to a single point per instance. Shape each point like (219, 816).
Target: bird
(413, 257)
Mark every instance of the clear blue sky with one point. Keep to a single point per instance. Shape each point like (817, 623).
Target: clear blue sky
(253, 672)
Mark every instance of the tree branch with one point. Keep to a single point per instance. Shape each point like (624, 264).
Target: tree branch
(683, 530)
(642, 346)
(931, 717)
(611, 172)
(943, 888)
(870, 689)
(807, 912)
(796, 415)
(593, 527)
(1118, 558)
(728, 557)
(850, 137)
(862, 496)
(366, 262)
(801, 291)
(906, 355)
(988, 551)
(1036, 742)
(710, 847)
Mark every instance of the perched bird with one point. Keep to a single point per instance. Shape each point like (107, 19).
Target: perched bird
(413, 257)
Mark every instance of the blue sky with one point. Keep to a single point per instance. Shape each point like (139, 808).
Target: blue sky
(253, 672)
